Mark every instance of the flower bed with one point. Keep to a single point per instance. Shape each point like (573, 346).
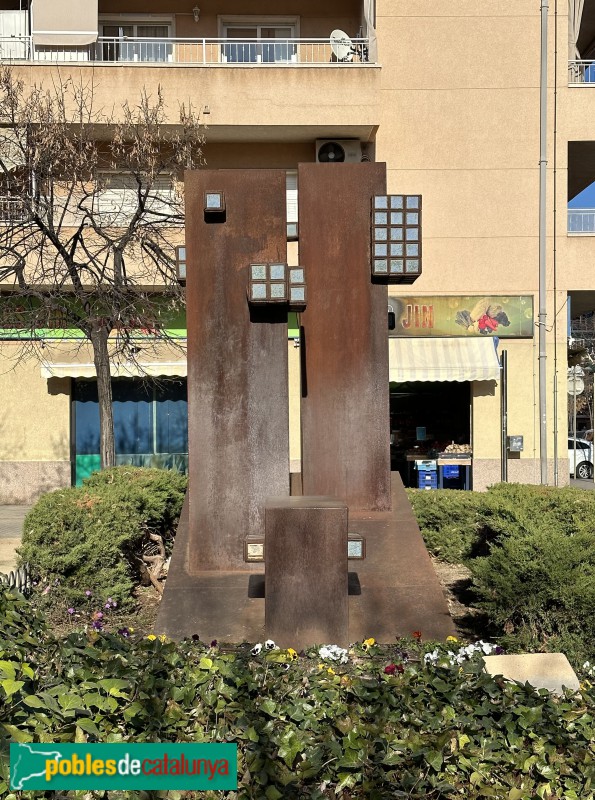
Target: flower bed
(412, 719)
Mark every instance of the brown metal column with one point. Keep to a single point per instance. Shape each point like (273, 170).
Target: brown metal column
(238, 425)
(345, 407)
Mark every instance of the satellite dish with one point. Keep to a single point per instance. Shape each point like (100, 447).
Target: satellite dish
(342, 46)
(331, 152)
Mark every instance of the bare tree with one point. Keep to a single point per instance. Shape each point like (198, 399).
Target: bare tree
(91, 210)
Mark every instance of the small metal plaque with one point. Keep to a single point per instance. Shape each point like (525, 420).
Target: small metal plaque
(254, 550)
(356, 547)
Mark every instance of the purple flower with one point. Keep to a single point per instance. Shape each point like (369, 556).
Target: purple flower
(88, 592)
(114, 604)
(214, 643)
(98, 625)
(390, 669)
(71, 610)
(124, 632)
(108, 605)
(499, 650)
(195, 637)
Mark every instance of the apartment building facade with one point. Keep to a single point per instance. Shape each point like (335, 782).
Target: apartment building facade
(448, 96)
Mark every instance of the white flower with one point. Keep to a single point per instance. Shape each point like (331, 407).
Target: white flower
(333, 652)
(270, 645)
(256, 649)
(431, 658)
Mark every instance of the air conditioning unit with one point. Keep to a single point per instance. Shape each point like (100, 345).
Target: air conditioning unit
(330, 151)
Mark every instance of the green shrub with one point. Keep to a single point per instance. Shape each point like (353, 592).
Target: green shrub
(531, 550)
(90, 539)
(450, 521)
(539, 589)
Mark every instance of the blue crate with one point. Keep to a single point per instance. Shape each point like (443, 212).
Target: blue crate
(428, 481)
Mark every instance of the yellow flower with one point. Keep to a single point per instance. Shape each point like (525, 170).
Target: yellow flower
(292, 653)
(367, 643)
(331, 671)
(321, 666)
(451, 639)
(130, 630)
(163, 638)
(345, 680)
(151, 637)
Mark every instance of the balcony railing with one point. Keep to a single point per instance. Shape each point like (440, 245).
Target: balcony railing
(581, 221)
(581, 73)
(188, 52)
(12, 209)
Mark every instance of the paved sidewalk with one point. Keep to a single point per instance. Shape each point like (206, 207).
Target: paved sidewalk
(11, 529)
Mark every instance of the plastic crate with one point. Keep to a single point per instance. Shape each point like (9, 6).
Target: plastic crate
(428, 481)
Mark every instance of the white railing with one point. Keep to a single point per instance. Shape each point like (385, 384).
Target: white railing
(12, 209)
(581, 221)
(581, 73)
(190, 52)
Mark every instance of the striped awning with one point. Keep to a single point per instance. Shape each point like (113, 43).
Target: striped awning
(455, 359)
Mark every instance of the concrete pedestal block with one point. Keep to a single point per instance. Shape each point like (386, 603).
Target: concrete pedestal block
(551, 671)
(306, 600)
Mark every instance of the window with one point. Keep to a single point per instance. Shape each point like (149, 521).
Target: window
(273, 37)
(131, 41)
(291, 182)
(181, 263)
(117, 198)
(150, 424)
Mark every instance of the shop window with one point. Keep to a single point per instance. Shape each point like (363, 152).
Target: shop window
(150, 424)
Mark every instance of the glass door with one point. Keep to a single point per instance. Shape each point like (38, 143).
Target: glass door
(122, 43)
(273, 45)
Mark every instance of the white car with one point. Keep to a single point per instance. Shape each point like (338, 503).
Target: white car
(584, 458)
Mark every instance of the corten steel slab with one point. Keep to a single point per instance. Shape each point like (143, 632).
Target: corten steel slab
(306, 599)
(345, 398)
(400, 592)
(238, 419)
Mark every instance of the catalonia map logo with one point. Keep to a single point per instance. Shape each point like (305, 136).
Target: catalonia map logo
(123, 766)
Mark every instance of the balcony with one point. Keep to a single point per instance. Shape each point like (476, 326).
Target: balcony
(199, 52)
(581, 73)
(581, 221)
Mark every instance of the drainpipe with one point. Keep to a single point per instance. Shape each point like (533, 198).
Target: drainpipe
(542, 244)
(504, 417)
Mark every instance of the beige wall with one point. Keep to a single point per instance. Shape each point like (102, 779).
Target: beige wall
(34, 430)
(460, 125)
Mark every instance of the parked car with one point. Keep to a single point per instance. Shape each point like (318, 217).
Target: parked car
(583, 467)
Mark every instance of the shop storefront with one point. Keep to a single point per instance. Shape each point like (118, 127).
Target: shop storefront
(441, 350)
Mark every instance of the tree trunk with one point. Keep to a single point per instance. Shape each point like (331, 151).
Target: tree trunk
(107, 449)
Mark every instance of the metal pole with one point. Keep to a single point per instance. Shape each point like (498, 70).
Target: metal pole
(504, 416)
(574, 377)
(542, 245)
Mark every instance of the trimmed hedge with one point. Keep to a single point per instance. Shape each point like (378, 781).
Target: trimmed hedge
(531, 551)
(389, 723)
(89, 539)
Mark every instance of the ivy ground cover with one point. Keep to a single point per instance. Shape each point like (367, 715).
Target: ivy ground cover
(412, 719)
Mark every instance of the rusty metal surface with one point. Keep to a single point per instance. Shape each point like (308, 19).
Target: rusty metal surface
(345, 407)
(399, 590)
(238, 419)
(306, 600)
